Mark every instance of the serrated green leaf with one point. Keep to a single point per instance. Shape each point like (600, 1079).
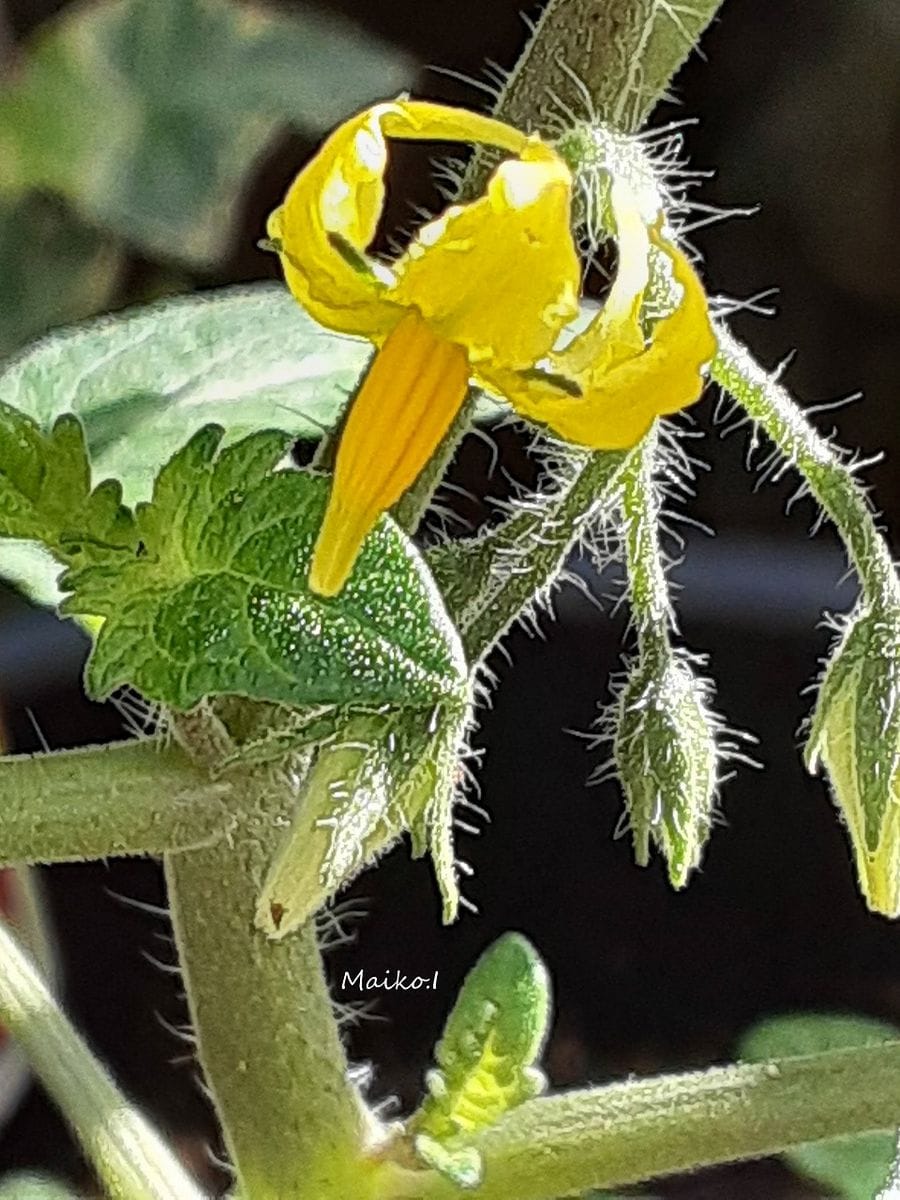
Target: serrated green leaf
(46, 494)
(491, 1041)
(855, 1168)
(213, 600)
(53, 267)
(148, 114)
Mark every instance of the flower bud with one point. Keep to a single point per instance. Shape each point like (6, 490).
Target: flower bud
(856, 735)
(385, 774)
(665, 754)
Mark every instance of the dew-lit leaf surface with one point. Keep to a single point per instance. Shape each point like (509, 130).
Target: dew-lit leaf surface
(213, 597)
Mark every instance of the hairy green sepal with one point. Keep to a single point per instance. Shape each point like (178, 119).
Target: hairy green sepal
(856, 734)
(382, 774)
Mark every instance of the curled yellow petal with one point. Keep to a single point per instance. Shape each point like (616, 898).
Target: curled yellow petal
(420, 120)
(330, 213)
(620, 401)
(406, 403)
(499, 276)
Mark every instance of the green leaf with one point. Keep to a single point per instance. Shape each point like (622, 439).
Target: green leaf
(855, 1168)
(54, 269)
(486, 1055)
(213, 600)
(461, 1165)
(46, 495)
(144, 381)
(149, 114)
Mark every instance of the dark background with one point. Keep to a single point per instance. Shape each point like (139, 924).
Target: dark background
(798, 112)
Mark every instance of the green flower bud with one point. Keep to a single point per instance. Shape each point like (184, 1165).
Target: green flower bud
(385, 774)
(664, 749)
(486, 1058)
(856, 735)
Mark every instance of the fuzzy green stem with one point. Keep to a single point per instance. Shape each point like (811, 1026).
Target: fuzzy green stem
(627, 1133)
(604, 60)
(133, 798)
(266, 1035)
(647, 587)
(488, 582)
(130, 1158)
(830, 480)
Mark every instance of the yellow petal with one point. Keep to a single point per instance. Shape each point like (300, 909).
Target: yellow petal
(499, 276)
(616, 334)
(619, 403)
(406, 403)
(330, 213)
(420, 120)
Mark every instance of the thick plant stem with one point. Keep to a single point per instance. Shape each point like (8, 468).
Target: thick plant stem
(829, 479)
(647, 588)
(130, 1158)
(627, 1133)
(604, 60)
(266, 1035)
(134, 798)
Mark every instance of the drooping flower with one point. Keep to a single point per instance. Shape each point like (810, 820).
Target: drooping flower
(481, 294)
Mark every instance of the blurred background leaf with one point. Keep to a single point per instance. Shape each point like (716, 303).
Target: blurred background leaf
(853, 1168)
(30, 1186)
(143, 381)
(149, 114)
(54, 268)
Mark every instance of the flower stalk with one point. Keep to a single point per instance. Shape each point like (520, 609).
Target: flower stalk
(648, 591)
(664, 735)
(829, 479)
(855, 731)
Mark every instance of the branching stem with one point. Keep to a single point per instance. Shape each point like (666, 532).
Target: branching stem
(627, 1133)
(133, 798)
(266, 1034)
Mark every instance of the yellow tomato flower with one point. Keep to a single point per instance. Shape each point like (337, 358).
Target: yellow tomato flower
(482, 293)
